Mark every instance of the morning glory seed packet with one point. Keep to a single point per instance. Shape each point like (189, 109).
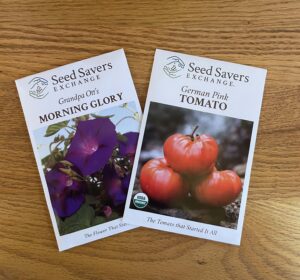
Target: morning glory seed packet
(83, 121)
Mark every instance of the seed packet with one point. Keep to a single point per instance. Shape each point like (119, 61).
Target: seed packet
(83, 120)
(195, 150)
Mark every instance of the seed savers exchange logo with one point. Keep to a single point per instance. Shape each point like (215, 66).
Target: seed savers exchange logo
(174, 67)
(38, 87)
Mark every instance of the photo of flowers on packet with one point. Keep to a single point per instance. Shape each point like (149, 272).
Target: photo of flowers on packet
(192, 165)
(87, 163)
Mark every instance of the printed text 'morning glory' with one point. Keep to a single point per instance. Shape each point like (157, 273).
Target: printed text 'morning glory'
(80, 108)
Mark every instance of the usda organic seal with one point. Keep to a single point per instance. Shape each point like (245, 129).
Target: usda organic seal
(140, 200)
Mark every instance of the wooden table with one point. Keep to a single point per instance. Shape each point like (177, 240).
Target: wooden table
(36, 36)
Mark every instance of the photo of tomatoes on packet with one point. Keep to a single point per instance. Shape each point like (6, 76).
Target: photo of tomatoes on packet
(196, 175)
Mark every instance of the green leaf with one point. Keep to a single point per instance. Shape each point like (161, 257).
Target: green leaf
(99, 220)
(48, 161)
(121, 137)
(102, 117)
(82, 219)
(90, 199)
(45, 159)
(83, 118)
(54, 128)
(113, 216)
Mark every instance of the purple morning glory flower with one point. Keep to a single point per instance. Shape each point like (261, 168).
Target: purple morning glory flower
(67, 194)
(128, 147)
(92, 145)
(116, 187)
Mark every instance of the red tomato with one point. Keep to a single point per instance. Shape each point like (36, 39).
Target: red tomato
(191, 155)
(219, 188)
(160, 182)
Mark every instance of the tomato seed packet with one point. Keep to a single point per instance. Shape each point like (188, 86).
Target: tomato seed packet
(83, 120)
(195, 149)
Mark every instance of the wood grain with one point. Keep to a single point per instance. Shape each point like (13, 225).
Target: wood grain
(38, 35)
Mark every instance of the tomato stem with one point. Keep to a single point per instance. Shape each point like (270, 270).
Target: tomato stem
(195, 129)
